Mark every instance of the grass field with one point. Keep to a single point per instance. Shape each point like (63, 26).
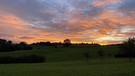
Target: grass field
(64, 54)
(69, 62)
(69, 69)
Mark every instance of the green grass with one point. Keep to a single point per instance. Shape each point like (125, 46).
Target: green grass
(70, 62)
(69, 69)
(64, 54)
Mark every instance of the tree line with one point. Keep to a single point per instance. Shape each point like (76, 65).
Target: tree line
(127, 47)
(8, 46)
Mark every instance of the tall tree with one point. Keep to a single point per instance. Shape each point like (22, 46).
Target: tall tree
(128, 47)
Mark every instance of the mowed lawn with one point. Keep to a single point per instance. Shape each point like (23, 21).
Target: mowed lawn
(70, 62)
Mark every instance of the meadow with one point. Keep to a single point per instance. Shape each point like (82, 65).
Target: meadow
(70, 62)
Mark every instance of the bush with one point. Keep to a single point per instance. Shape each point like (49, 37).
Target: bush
(22, 59)
(6, 59)
(31, 59)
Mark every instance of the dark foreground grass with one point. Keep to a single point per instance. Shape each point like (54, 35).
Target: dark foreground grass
(95, 68)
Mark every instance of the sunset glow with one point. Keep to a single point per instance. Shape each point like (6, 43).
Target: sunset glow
(99, 21)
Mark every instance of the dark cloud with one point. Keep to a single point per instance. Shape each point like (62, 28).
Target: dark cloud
(6, 35)
(26, 37)
(67, 18)
(51, 15)
(127, 5)
(128, 8)
(20, 8)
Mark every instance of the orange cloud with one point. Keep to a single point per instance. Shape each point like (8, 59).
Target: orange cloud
(104, 2)
(79, 21)
(13, 22)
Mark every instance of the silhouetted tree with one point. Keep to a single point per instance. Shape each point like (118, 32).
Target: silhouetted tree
(23, 46)
(48, 43)
(67, 43)
(23, 43)
(9, 42)
(6, 46)
(2, 41)
(44, 44)
(128, 47)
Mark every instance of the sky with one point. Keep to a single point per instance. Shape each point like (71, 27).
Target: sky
(99, 21)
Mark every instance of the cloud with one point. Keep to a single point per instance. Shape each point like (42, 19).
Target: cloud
(2, 35)
(103, 3)
(55, 20)
(26, 37)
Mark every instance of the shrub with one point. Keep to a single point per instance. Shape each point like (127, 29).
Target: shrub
(31, 59)
(6, 59)
(22, 59)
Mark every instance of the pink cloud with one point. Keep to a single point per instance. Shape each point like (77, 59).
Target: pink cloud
(105, 2)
